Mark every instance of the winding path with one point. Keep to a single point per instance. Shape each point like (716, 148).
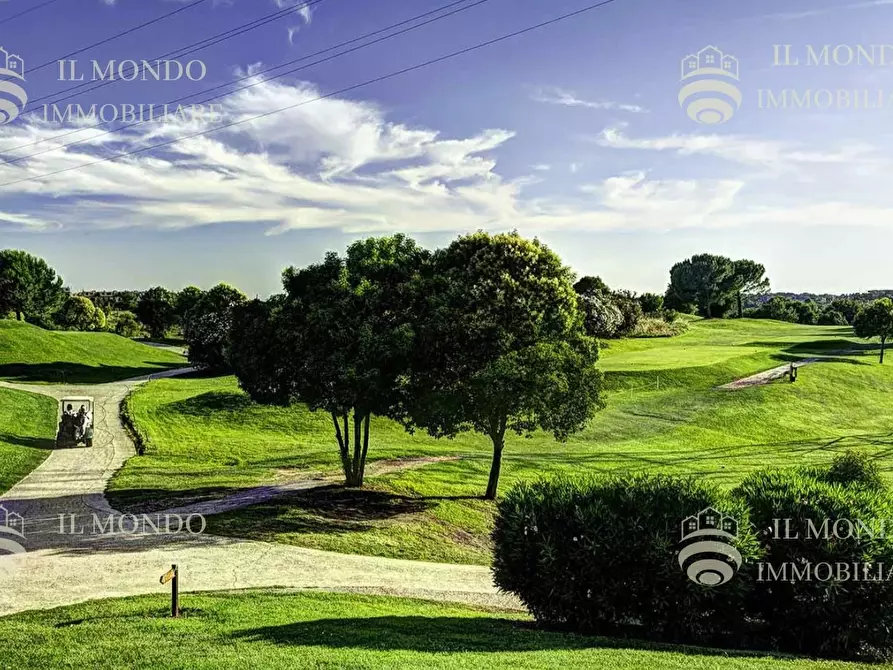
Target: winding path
(62, 566)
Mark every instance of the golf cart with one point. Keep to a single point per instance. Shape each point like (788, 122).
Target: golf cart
(75, 422)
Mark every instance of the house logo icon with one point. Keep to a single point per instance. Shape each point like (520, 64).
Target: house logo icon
(12, 96)
(710, 94)
(707, 556)
(12, 532)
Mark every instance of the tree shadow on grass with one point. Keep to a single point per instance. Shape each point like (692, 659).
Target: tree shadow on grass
(328, 509)
(212, 401)
(61, 372)
(453, 635)
(30, 442)
(149, 501)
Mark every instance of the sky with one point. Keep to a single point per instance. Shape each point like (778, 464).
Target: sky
(573, 133)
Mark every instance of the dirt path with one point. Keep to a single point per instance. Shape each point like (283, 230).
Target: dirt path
(765, 377)
(73, 554)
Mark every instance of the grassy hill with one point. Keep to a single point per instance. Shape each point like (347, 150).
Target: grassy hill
(32, 354)
(27, 429)
(664, 414)
(270, 629)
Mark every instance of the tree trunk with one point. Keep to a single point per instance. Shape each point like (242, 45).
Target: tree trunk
(883, 342)
(20, 315)
(498, 438)
(740, 306)
(353, 463)
(365, 448)
(343, 446)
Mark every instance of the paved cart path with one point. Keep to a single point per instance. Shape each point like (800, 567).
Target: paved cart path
(79, 548)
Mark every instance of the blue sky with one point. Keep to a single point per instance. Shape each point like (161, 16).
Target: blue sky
(572, 133)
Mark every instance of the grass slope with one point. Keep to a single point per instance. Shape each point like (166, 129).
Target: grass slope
(664, 415)
(32, 354)
(27, 429)
(266, 629)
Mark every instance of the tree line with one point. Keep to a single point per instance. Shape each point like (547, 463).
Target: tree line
(717, 287)
(491, 334)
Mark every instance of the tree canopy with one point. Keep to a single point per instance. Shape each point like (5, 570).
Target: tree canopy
(339, 340)
(207, 325)
(29, 287)
(500, 345)
(79, 313)
(156, 309)
(750, 281)
(875, 320)
(712, 284)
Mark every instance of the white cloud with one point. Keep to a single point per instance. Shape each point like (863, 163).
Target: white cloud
(558, 96)
(336, 163)
(776, 155)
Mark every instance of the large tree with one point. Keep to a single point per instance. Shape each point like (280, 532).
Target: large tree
(207, 324)
(157, 310)
(339, 340)
(706, 281)
(750, 280)
(29, 287)
(875, 320)
(187, 298)
(79, 313)
(500, 346)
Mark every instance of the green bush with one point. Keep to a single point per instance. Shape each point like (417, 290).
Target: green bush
(854, 468)
(816, 611)
(601, 556)
(630, 312)
(670, 315)
(125, 324)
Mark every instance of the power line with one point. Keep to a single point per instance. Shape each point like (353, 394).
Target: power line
(184, 50)
(27, 11)
(347, 89)
(121, 34)
(253, 76)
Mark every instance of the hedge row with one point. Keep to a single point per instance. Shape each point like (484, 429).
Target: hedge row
(603, 556)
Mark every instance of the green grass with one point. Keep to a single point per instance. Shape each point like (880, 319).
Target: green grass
(32, 354)
(270, 629)
(27, 430)
(664, 415)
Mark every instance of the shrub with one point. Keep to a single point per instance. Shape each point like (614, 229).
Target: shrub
(600, 556)
(602, 318)
(820, 614)
(854, 468)
(652, 327)
(630, 312)
(670, 315)
(125, 324)
(79, 313)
